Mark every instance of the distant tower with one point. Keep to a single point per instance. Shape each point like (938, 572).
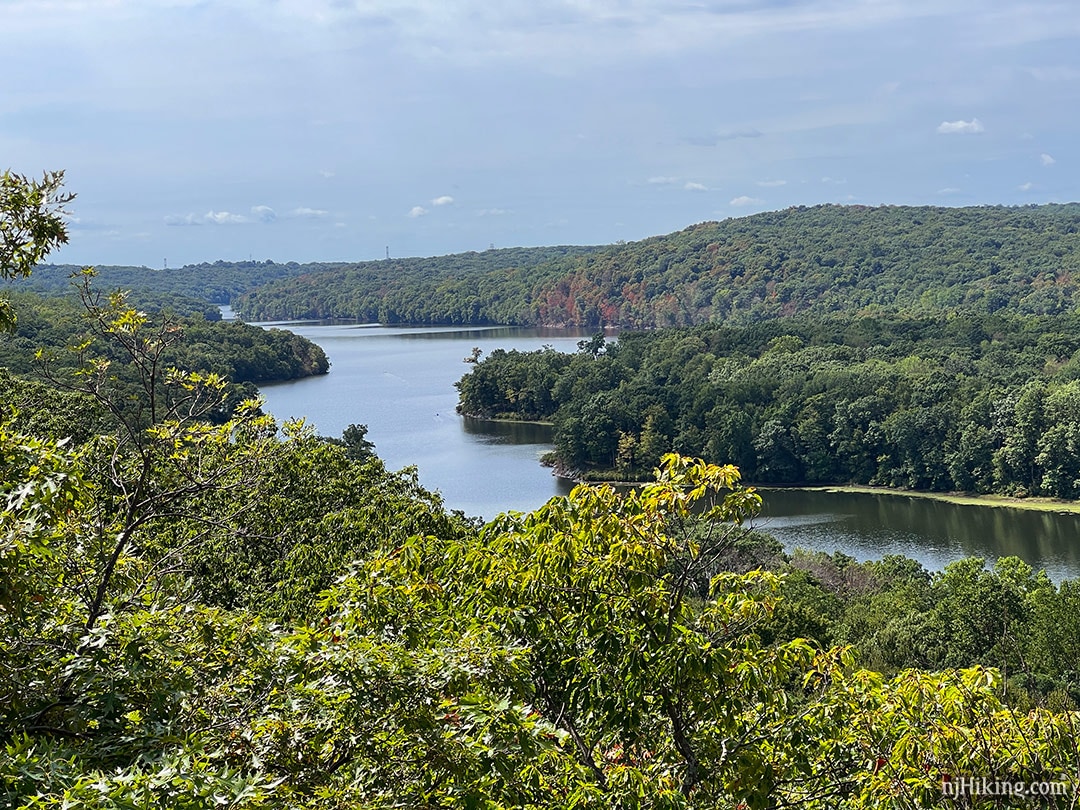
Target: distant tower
(491, 246)
(166, 262)
(387, 251)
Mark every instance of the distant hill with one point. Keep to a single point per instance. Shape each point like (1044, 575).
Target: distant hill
(463, 288)
(818, 260)
(221, 282)
(218, 282)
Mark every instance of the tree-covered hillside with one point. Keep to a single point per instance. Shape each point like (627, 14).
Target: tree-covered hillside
(818, 260)
(985, 403)
(233, 349)
(217, 282)
(222, 282)
(462, 288)
(54, 336)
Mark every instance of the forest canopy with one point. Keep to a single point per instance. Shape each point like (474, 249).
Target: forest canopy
(816, 261)
(970, 402)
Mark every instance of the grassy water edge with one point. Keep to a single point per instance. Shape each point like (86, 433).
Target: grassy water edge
(957, 498)
(961, 499)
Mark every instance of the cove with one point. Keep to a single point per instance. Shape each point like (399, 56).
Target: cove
(400, 383)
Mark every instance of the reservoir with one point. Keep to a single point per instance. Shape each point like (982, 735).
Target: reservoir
(400, 383)
(869, 526)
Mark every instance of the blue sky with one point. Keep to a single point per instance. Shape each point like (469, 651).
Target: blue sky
(313, 130)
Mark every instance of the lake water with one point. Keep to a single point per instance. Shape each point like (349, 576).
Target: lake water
(400, 383)
(869, 526)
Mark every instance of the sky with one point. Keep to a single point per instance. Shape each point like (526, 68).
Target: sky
(343, 130)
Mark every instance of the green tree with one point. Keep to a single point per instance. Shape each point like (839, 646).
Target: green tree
(357, 446)
(570, 658)
(31, 226)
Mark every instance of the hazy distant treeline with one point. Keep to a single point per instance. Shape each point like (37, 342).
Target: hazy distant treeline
(817, 261)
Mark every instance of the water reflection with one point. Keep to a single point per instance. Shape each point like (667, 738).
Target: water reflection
(869, 526)
(508, 432)
(489, 332)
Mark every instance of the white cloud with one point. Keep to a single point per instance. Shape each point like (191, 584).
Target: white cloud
(735, 134)
(1046, 159)
(834, 181)
(695, 187)
(308, 212)
(209, 218)
(224, 218)
(960, 127)
(742, 201)
(417, 211)
(445, 199)
(240, 111)
(264, 213)
(948, 190)
(590, 31)
(1028, 186)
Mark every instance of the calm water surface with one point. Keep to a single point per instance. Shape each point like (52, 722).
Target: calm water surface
(935, 533)
(400, 383)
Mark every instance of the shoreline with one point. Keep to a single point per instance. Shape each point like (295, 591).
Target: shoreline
(1034, 504)
(956, 498)
(506, 421)
(959, 499)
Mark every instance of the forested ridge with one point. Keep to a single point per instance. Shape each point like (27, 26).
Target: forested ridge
(200, 608)
(218, 282)
(816, 261)
(489, 287)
